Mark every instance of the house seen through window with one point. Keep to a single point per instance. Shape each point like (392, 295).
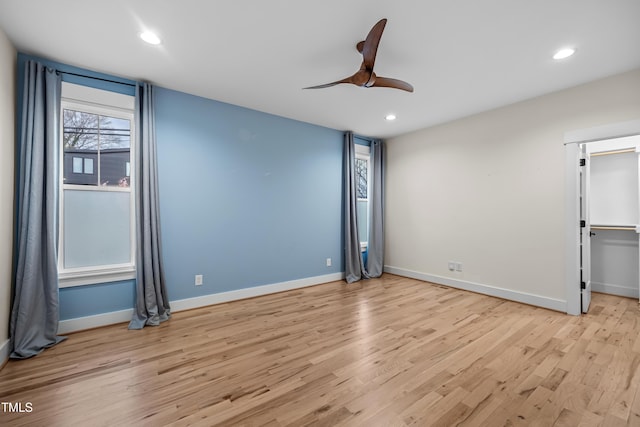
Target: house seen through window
(96, 149)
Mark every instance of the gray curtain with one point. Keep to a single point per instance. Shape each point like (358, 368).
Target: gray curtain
(151, 301)
(354, 266)
(34, 314)
(375, 251)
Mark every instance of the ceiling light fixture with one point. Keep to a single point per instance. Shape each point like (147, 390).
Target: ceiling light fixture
(150, 37)
(564, 53)
(390, 117)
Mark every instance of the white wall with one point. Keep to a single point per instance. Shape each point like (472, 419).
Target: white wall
(488, 191)
(7, 143)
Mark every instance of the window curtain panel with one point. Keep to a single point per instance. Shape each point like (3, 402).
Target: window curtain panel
(151, 302)
(375, 251)
(354, 265)
(35, 313)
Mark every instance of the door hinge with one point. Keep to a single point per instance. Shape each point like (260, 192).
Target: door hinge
(583, 223)
(583, 285)
(583, 162)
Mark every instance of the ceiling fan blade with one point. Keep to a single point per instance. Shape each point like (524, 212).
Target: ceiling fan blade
(370, 45)
(365, 77)
(392, 83)
(345, 80)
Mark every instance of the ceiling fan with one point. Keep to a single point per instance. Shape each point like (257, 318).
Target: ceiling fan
(365, 77)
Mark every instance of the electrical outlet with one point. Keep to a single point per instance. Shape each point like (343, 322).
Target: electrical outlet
(199, 279)
(458, 266)
(452, 266)
(328, 262)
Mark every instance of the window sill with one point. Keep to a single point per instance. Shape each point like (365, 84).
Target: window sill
(70, 279)
(78, 187)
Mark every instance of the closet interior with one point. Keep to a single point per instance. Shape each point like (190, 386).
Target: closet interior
(612, 192)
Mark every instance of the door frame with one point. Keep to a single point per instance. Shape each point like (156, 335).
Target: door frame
(585, 232)
(572, 141)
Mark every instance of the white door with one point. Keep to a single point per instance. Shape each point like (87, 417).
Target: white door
(585, 232)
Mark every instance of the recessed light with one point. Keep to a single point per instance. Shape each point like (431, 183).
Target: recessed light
(390, 117)
(564, 53)
(150, 37)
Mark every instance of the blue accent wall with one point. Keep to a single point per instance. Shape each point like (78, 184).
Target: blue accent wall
(81, 301)
(246, 198)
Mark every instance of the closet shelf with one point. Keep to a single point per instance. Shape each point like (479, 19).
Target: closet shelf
(624, 227)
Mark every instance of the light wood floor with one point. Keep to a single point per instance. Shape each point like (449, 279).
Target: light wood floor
(391, 351)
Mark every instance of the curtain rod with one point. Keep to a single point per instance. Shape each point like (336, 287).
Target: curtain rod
(98, 78)
(366, 138)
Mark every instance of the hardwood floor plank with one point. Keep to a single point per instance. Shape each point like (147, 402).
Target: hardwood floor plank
(388, 351)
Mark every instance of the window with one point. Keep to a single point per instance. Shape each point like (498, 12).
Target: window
(81, 165)
(362, 169)
(97, 233)
(362, 192)
(90, 138)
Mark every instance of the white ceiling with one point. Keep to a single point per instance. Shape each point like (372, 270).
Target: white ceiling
(462, 57)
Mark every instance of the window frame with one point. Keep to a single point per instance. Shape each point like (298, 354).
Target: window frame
(105, 103)
(363, 152)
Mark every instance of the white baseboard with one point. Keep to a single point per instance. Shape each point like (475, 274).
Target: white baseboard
(4, 353)
(508, 294)
(104, 319)
(205, 300)
(622, 291)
